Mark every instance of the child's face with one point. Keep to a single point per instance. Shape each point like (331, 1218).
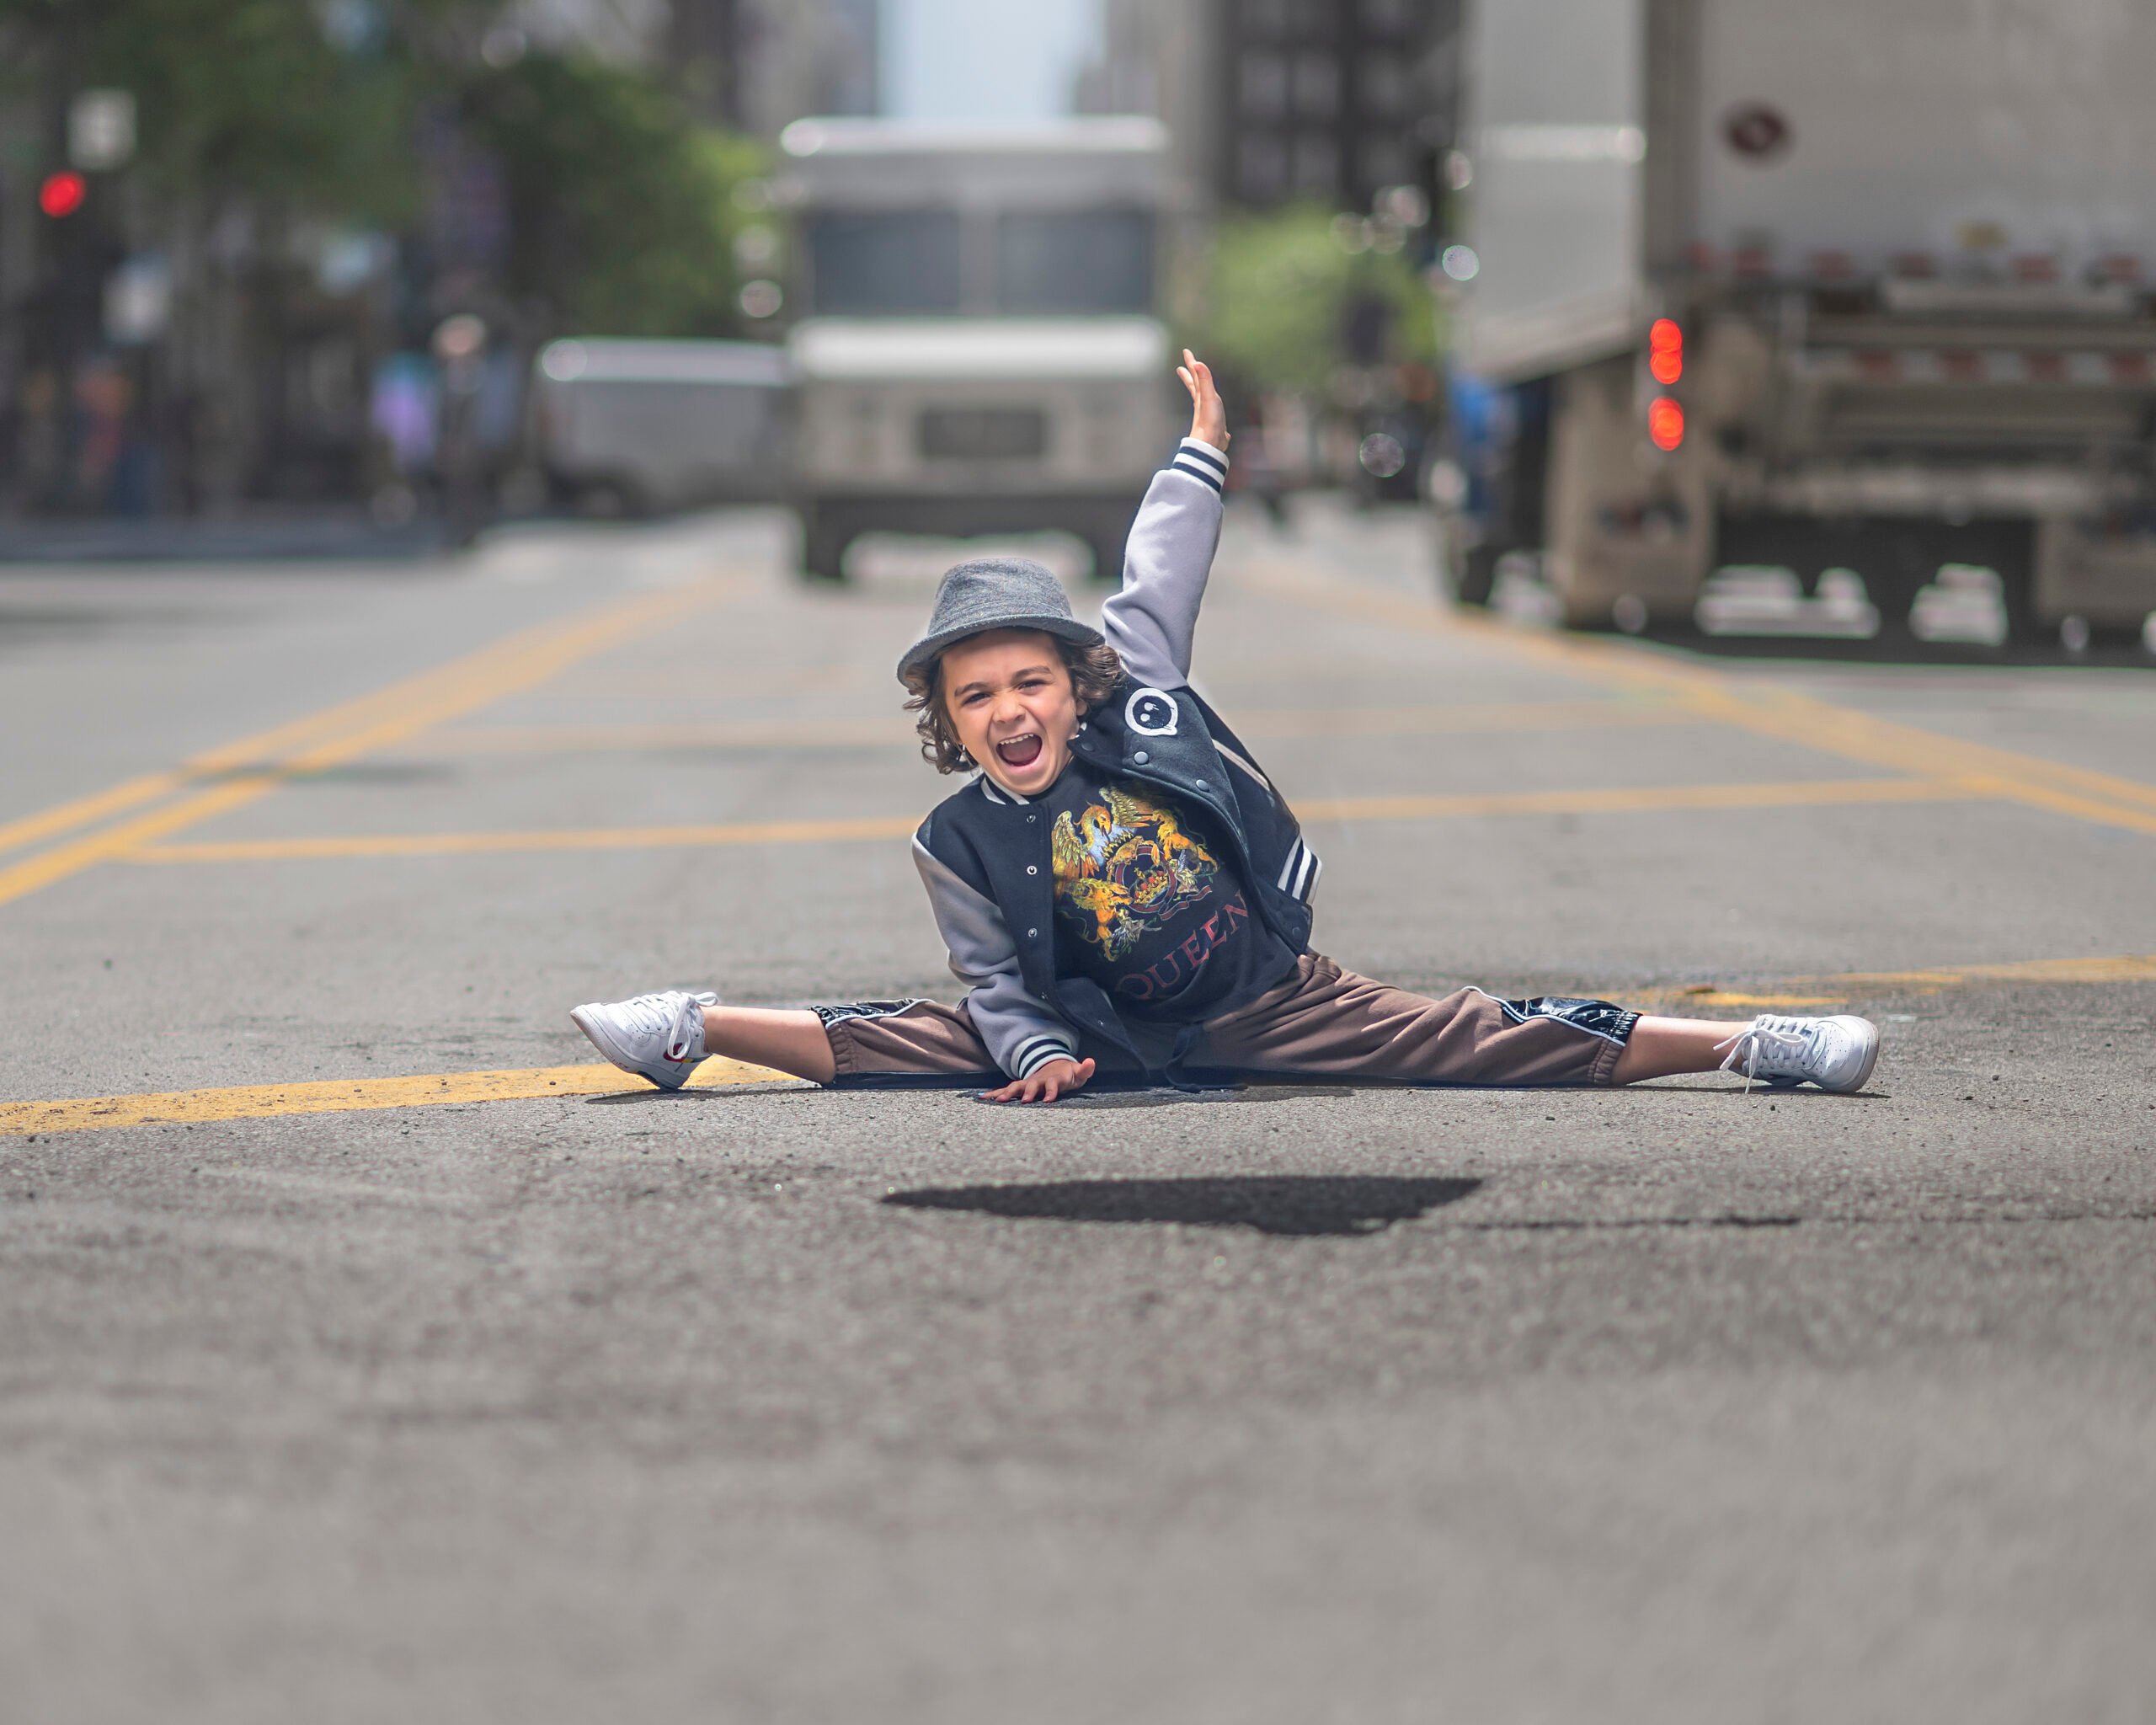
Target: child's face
(1009, 697)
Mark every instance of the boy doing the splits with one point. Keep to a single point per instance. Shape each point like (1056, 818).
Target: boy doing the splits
(1123, 889)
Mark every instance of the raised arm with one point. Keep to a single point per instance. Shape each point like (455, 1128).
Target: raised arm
(1152, 620)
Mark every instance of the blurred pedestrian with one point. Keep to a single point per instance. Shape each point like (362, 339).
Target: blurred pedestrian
(40, 453)
(103, 398)
(460, 351)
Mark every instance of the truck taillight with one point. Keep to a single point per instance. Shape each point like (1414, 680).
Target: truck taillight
(1665, 423)
(1665, 351)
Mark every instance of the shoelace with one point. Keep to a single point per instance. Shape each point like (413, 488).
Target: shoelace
(1771, 1041)
(683, 1027)
(670, 1016)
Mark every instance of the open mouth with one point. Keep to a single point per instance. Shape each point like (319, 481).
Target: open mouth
(1020, 751)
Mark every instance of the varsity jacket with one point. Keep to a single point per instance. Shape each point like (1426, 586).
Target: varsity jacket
(984, 853)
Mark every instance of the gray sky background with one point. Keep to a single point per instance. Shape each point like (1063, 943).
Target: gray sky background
(983, 60)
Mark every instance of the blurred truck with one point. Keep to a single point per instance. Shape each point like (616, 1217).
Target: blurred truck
(978, 352)
(626, 427)
(1838, 286)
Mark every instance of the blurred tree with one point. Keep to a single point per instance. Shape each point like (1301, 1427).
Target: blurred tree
(623, 215)
(621, 212)
(1293, 294)
(250, 96)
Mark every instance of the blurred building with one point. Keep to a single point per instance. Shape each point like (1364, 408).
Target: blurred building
(1333, 99)
(1158, 57)
(799, 57)
(213, 349)
(1275, 100)
(757, 65)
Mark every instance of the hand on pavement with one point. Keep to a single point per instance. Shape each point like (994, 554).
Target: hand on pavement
(1045, 1083)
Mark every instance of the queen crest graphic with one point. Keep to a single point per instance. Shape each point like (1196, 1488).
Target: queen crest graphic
(1123, 866)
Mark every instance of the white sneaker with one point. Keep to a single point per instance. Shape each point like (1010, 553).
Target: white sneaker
(660, 1036)
(1834, 1054)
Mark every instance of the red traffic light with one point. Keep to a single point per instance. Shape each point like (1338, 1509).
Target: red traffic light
(1665, 423)
(63, 193)
(1666, 351)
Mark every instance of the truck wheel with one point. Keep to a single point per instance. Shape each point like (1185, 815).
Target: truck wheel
(612, 500)
(1106, 539)
(1108, 558)
(2024, 628)
(2078, 635)
(823, 549)
(2012, 553)
(1475, 576)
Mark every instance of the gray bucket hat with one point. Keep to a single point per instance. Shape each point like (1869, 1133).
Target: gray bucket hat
(995, 593)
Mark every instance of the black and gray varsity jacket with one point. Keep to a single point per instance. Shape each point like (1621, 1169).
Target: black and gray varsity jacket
(984, 853)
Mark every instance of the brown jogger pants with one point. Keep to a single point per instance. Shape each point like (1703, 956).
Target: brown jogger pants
(1322, 1022)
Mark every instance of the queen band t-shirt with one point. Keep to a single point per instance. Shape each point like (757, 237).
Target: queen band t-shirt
(1149, 903)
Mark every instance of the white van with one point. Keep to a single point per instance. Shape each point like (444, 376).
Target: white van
(624, 426)
(978, 352)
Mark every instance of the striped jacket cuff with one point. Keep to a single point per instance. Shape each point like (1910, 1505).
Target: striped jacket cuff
(1298, 873)
(1201, 461)
(1037, 1052)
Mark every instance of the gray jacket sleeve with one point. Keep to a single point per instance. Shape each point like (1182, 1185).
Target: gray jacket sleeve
(1152, 618)
(1021, 1032)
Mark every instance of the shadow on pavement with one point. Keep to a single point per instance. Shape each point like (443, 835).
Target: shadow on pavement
(1098, 1095)
(652, 1095)
(1302, 1204)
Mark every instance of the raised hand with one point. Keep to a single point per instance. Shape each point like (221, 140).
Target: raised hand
(1209, 419)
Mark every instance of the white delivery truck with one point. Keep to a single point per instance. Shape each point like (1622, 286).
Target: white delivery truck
(1845, 285)
(626, 426)
(978, 352)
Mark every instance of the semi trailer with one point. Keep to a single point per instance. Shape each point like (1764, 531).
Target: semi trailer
(1838, 287)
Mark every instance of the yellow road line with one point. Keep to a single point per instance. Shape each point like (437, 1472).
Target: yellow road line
(1800, 793)
(337, 1096)
(896, 730)
(66, 817)
(262, 749)
(356, 728)
(705, 678)
(2128, 967)
(1722, 998)
(1458, 718)
(1604, 800)
(252, 1102)
(1269, 722)
(1779, 712)
(456, 844)
(2131, 967)
(257, 750)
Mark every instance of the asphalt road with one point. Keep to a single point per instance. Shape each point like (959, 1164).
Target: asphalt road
(340, 1383)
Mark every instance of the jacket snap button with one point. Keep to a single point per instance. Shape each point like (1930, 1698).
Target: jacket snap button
(1032, 934)
(1141, 757)
(1031, 869)
(1202, 785)
(1031, 819)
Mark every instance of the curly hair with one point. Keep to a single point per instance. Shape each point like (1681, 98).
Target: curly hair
(1094, 673)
